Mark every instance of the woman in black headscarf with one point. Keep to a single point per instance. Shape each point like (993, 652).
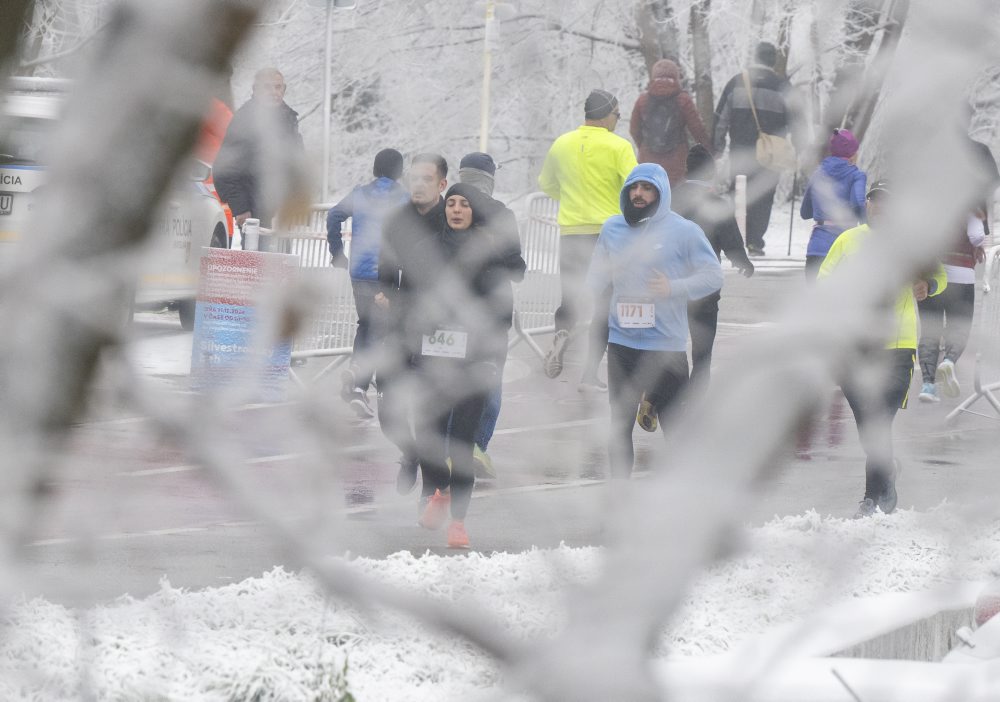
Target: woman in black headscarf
(458, 326)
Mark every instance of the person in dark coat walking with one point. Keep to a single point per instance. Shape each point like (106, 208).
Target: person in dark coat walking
(734, 119)
(696, 199)
(253, 170)
(662, 117)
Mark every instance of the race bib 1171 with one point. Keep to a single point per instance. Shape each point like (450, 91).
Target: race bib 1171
(636, 312)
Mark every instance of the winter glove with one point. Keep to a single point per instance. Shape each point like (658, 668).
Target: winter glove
(339, 260)
(747, 270)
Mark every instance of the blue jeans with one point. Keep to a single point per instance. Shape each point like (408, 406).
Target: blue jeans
(491, 410)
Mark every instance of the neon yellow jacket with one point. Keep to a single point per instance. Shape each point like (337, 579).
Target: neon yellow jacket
(905, 334)
(585, 170)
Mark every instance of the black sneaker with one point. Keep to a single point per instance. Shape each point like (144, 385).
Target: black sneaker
(407, 476)
(359, 403)
(554, 358)
(888, 499)
(754, 251)
(866, 508)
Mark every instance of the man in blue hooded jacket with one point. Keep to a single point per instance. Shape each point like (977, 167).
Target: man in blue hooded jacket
(367, 206)
(655, 262)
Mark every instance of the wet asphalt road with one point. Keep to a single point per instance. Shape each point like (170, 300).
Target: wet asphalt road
(130, 508)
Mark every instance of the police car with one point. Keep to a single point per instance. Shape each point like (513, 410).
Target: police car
(190, 218)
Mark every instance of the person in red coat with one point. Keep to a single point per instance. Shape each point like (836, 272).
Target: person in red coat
(662, 118)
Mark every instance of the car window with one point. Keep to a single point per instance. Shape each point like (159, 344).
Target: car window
(23, 140)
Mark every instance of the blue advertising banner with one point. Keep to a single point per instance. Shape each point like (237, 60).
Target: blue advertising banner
(226, 348)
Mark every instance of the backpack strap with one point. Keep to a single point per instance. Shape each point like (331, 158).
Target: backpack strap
(753, 109)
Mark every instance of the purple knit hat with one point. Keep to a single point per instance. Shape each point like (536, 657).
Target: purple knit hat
(843, 144)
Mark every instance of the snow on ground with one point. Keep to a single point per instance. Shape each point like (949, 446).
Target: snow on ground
(276, 638)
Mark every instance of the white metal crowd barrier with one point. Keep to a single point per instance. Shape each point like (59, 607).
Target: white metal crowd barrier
(538, 296)
(329, 332)
(987, 338)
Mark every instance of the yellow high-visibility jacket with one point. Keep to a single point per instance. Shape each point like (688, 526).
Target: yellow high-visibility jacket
(585, 170)
(904, 336)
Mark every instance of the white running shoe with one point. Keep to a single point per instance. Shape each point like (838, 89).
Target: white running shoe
(554, 358)
(946, 377)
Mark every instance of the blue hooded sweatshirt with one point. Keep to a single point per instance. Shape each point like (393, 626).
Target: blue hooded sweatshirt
(834, 196)
(367, 206)
(626, 257)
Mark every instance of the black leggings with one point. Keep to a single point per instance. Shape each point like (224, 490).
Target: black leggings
(874, 410)
(452, 396)
(947, 316)
(632, 372)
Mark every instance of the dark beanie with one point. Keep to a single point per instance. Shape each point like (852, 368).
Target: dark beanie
(701, 163)
(388, 164)
(479, 161)
(599, 104)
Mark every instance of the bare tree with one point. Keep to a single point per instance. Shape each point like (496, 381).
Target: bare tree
(657, 31)
(701, 50)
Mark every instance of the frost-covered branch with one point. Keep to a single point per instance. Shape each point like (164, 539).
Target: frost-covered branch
(133, 118)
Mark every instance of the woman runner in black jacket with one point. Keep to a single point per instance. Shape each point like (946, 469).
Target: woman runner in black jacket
(456, 322)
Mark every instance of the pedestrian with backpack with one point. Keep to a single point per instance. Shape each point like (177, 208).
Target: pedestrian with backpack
(662, 118)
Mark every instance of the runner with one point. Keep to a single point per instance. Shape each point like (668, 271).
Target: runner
(367, 207)
(456, 319)
(654, 262)
(949, 315)
(406, 238)
(584, 171)
(875, 408)
(479, 170)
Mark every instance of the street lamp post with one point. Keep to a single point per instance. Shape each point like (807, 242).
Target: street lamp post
(327, 106)
(505, 10)
(331, 6)
(484, 110)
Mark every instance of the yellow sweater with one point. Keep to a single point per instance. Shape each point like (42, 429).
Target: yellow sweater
(585, 170)
(905, 334)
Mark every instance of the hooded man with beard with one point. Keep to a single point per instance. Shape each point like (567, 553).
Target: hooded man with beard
(654, 261)
(661, 120)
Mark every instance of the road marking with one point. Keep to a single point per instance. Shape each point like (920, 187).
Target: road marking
(136, 420)
(347, 511)
(282, 457)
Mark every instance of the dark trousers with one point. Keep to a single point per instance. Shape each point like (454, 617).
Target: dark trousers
(703, 322)
(451, 400)
(761, 186)
(875, 409)
(397, 388)
(661, 375)
(813, 264)
(371, 329)
(575, 252)
(946, 317)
